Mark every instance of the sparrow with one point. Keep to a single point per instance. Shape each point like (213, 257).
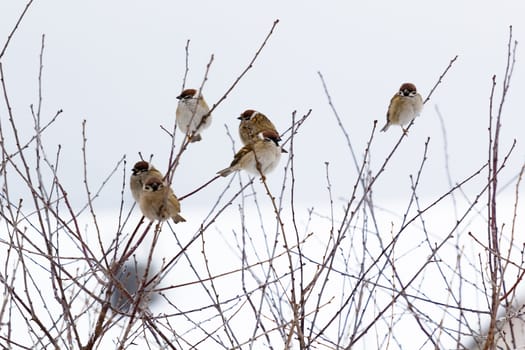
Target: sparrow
(258, 157)
(192, 114)
(140, 172)
(158, 202)
(404, 106)
(252, 123)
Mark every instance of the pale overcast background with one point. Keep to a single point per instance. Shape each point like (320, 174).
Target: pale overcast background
(120, 65)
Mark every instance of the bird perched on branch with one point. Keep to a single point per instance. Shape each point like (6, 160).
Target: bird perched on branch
(140, 172)
(193, 114)
(404, 106)
(252, 123)
(258, 157)
(158, 202)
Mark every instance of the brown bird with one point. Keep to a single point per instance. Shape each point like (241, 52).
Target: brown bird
(404, 106)
(192, 114)
(252, 123)
(140, 172)
(259, 157)
(158, 202)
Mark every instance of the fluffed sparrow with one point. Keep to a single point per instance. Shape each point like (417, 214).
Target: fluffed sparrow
(252, 123)
(158, 202)
(404, 106)
(259, 157)
(140, 172)
(192, 114)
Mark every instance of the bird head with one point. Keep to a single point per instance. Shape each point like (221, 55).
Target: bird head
(247, 115)
(187, 94)
(408, 89)
(140, 167)
(153, 184)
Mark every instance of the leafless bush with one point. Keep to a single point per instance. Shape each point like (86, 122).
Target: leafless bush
(339, 278)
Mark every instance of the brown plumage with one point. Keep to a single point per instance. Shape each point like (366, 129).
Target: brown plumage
(252, 123)
(158, 202)
(404, 106)
(140, 172)
(260, 156)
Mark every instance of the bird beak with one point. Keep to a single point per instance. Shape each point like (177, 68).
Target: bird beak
(179, 97)
(283, 150)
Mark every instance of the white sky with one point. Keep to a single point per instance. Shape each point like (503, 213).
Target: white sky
(120, 64)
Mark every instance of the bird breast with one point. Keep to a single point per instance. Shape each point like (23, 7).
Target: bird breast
(266, 153)
(189, 118)
(408, 110)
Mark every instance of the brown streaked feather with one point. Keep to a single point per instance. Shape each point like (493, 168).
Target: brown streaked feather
(241, 153)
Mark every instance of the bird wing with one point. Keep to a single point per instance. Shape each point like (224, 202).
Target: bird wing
(390, 108)
(241, 153)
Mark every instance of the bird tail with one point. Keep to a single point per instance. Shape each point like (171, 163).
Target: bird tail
(385, 128)
(177, 218)
(196, 138)
(225, 172)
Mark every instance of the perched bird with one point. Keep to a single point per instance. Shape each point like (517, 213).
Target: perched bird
(158, 202)
(404, 106)
(259, 157)
(140, 172)
(192, 114)
(252, 123)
